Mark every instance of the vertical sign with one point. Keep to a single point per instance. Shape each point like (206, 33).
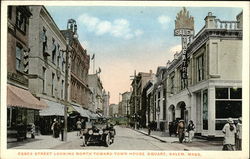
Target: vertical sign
(184, 27)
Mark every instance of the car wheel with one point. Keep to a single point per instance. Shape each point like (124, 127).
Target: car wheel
(107, 140)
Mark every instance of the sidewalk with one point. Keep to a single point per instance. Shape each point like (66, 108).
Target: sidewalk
(41, 142)
(197, 144)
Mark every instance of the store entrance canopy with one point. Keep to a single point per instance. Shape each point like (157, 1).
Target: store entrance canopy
(82, 111)
(18, 97)
(54, 108)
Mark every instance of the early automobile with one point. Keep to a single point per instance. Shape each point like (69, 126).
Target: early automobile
(100, 132)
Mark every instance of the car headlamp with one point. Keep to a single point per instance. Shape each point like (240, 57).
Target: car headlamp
(90, 132)
(100, 132)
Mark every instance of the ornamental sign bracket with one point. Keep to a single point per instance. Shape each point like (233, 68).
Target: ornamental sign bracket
(184, 27)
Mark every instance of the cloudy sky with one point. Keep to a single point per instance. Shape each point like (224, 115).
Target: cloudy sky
(125, 39)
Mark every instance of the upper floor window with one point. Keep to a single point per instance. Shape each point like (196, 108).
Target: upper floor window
(59, 55)
(53, 50)
(18, 58)
(200, 68)
(53, 84)
(21, 21)
(172, 84)
(44, 39)
(44, 79)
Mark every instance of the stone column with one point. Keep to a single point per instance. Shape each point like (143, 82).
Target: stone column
(211, 111)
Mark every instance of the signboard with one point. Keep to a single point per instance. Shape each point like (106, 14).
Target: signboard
(184, 27)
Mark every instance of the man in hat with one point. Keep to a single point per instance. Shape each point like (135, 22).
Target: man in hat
(229, 131)
(190, 130)
(238, 139)
(181, 130)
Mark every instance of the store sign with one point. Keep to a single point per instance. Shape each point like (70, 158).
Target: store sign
(184, 27)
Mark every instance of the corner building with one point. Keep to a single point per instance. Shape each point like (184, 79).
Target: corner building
(214, 89)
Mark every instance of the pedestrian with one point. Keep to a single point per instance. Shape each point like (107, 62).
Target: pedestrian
(229, 131)
(78, 127)
(62, 130)
(181, 130)
(149, 128)
(56, 129)
(190, 130)
(238, 139)
(53, 127)
(33, 130)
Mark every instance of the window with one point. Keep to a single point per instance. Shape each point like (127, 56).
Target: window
(21, 21)
(9, 12)
(53, 84)
(63, 65)
(200, 67)
(18, 58)
(172, 85)
(205, 111)
(62, 87)
(53, 50)
(58, 57)
(44, 79)
(228, 104)
(44, 39)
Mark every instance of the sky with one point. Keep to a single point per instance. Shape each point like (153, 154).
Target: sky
(125, 39)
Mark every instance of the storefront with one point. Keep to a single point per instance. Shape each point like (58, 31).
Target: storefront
(53, 111)
(22, 110)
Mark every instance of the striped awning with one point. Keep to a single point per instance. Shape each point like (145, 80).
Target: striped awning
(18, 97)
(54, 108)
(83, 112)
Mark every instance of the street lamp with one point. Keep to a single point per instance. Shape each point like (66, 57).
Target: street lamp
(71, 27)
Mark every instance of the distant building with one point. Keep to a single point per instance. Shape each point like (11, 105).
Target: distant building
(113, 110)
(106, 98)
(125, 105)
(138, 108)
(96, 88)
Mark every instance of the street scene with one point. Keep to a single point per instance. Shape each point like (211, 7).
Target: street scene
(124, 78)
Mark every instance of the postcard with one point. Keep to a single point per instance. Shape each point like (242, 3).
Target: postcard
(124, 79)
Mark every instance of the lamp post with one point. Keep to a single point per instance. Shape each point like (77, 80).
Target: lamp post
(71, 27)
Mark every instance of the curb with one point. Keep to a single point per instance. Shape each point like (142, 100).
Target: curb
(153, 136)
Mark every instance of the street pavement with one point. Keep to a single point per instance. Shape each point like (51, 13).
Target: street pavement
(125, 139)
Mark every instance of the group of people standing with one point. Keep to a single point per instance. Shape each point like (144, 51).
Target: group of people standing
(232, 134)
(57, 128)
(186, 135)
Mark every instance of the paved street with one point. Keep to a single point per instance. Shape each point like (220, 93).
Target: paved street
(125, 139)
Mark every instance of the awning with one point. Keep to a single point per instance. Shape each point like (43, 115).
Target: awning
(54, 108)
(92, 115)
(82, 111)
(18, 97)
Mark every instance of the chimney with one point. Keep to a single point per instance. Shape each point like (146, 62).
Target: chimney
(210, 21)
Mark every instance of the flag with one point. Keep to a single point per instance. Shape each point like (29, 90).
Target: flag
(93, 56)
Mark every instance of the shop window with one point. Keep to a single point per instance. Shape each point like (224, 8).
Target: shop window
(235, 93)
(21, 21)
(18, 58)
(226, 109)
(221, 93)
(200, 67)
(228, 104)
(205, 111)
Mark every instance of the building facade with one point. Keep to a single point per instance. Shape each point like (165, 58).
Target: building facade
(22, 106)
(96, 88)
(47, 65)
(213, 92)
(106, 98)
(79, 89)
(125, 104)
(113, 110)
